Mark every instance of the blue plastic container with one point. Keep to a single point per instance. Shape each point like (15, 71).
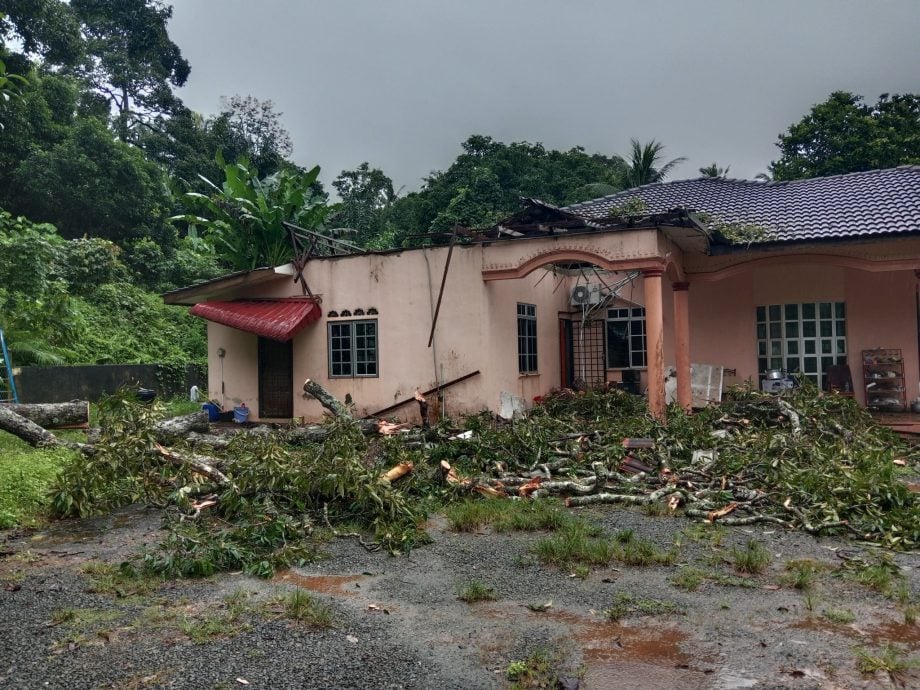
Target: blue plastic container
(240, 414)
(213, 411)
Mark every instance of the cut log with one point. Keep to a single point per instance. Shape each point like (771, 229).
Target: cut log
(33, 434)
(326, 399)
(181, 426)
(401, 470)
(53, 415)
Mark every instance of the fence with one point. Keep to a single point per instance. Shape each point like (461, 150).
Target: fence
(91, 382)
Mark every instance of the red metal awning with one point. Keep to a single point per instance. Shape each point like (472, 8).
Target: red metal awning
(278, 319)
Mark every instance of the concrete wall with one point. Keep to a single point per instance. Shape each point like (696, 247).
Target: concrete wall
(92, 382)
(476, 330)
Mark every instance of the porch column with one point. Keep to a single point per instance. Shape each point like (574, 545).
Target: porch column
(682, 343)
(654, 333)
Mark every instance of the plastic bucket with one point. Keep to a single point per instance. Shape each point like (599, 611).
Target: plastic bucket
(240, 414)
(212, 410)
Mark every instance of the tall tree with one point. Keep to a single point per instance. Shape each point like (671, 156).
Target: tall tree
(645, 164)
(365, 193)
(843, 134)
(132, 61)
(46, 30)
(258, 124)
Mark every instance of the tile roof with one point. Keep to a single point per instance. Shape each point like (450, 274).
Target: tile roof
(860, 204)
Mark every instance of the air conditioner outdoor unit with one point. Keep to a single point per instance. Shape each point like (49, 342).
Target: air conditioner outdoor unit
(589, 293)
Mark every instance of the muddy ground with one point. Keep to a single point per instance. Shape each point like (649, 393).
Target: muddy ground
(398, 622)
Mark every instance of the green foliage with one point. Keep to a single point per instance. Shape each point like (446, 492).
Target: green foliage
(243, 218)
(714, 170)
(889, 659)
(122, 470)
(102, 187)
(841, 616)
(366, 194)
(474, 591)
(645, 164)
(25, 475)
(843, 134)
(536, 671)
(802, 574)
(486, 182)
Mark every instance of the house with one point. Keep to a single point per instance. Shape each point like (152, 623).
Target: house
(746, 275)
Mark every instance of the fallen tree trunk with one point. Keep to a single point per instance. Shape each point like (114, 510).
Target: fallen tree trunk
(33, 434)
(52, 415)
(326, 399)
(198, 463)
(181, 426)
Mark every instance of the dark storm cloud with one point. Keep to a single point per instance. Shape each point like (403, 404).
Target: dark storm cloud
(402, 83)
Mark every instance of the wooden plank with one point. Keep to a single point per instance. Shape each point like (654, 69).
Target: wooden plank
(406, 401)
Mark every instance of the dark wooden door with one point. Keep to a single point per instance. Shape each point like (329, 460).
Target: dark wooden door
(276, 379)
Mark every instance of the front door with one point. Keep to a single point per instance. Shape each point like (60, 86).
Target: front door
(276, 379)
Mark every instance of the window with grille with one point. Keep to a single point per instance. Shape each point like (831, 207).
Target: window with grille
(626, 344)
(802, 338)
(527, 338)
(353, 349)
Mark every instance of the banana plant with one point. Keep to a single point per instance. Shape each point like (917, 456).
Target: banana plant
(243, 218)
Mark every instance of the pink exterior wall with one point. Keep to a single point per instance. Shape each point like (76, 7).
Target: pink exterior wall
(476, 330)
(477, 326)
(881, 312)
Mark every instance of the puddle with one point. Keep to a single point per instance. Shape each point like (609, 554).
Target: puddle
(623, 656)
(877, 635)
(895, 632)
(336, 585)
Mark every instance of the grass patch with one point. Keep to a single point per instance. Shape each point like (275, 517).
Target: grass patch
(575, 543)
(626, 605)
(203, 629)
(879, 576)
(841, 616)
(703, 532)
(475, 590)
(106, 578)
(752, 559)
(536, 671)
(689, 579)
(302, 607)
(26, 475)
(889, 659)
(579, 543)
(507, 516)
(801, 574)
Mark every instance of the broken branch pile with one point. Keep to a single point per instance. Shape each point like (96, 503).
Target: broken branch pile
(802, 460)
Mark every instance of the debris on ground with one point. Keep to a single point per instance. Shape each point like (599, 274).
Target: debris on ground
(800, 460)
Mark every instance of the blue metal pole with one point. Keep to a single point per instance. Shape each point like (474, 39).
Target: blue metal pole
(9, 367)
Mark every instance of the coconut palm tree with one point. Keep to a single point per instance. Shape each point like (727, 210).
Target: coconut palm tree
(713, 170)
(644, 164)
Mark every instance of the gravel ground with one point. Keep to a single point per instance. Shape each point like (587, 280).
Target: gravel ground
(398, 622)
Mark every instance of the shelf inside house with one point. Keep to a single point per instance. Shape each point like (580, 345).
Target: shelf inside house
(883, 378)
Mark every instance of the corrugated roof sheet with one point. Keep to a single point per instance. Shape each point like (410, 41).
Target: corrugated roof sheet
(858, 204)
(278, 319)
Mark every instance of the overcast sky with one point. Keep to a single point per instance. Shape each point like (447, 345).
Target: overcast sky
(400, 83)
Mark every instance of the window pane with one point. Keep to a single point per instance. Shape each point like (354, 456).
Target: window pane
(810, 365)
(761, 331)
(808, 311)
(809, 329)
(809, 347)
(776, 330)
(792, 347)
(792, 364)
(761, 348)
(792, 312)
(841, 328)
(762, 365)
(776, 362)
(827, 329)
(617, 344)
(775, 312)
(826, 347)
(776, 348)
(792, 329)
(825, 310)
(841, 346)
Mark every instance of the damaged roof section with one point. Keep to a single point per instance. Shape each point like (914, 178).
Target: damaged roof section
(278, 319)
